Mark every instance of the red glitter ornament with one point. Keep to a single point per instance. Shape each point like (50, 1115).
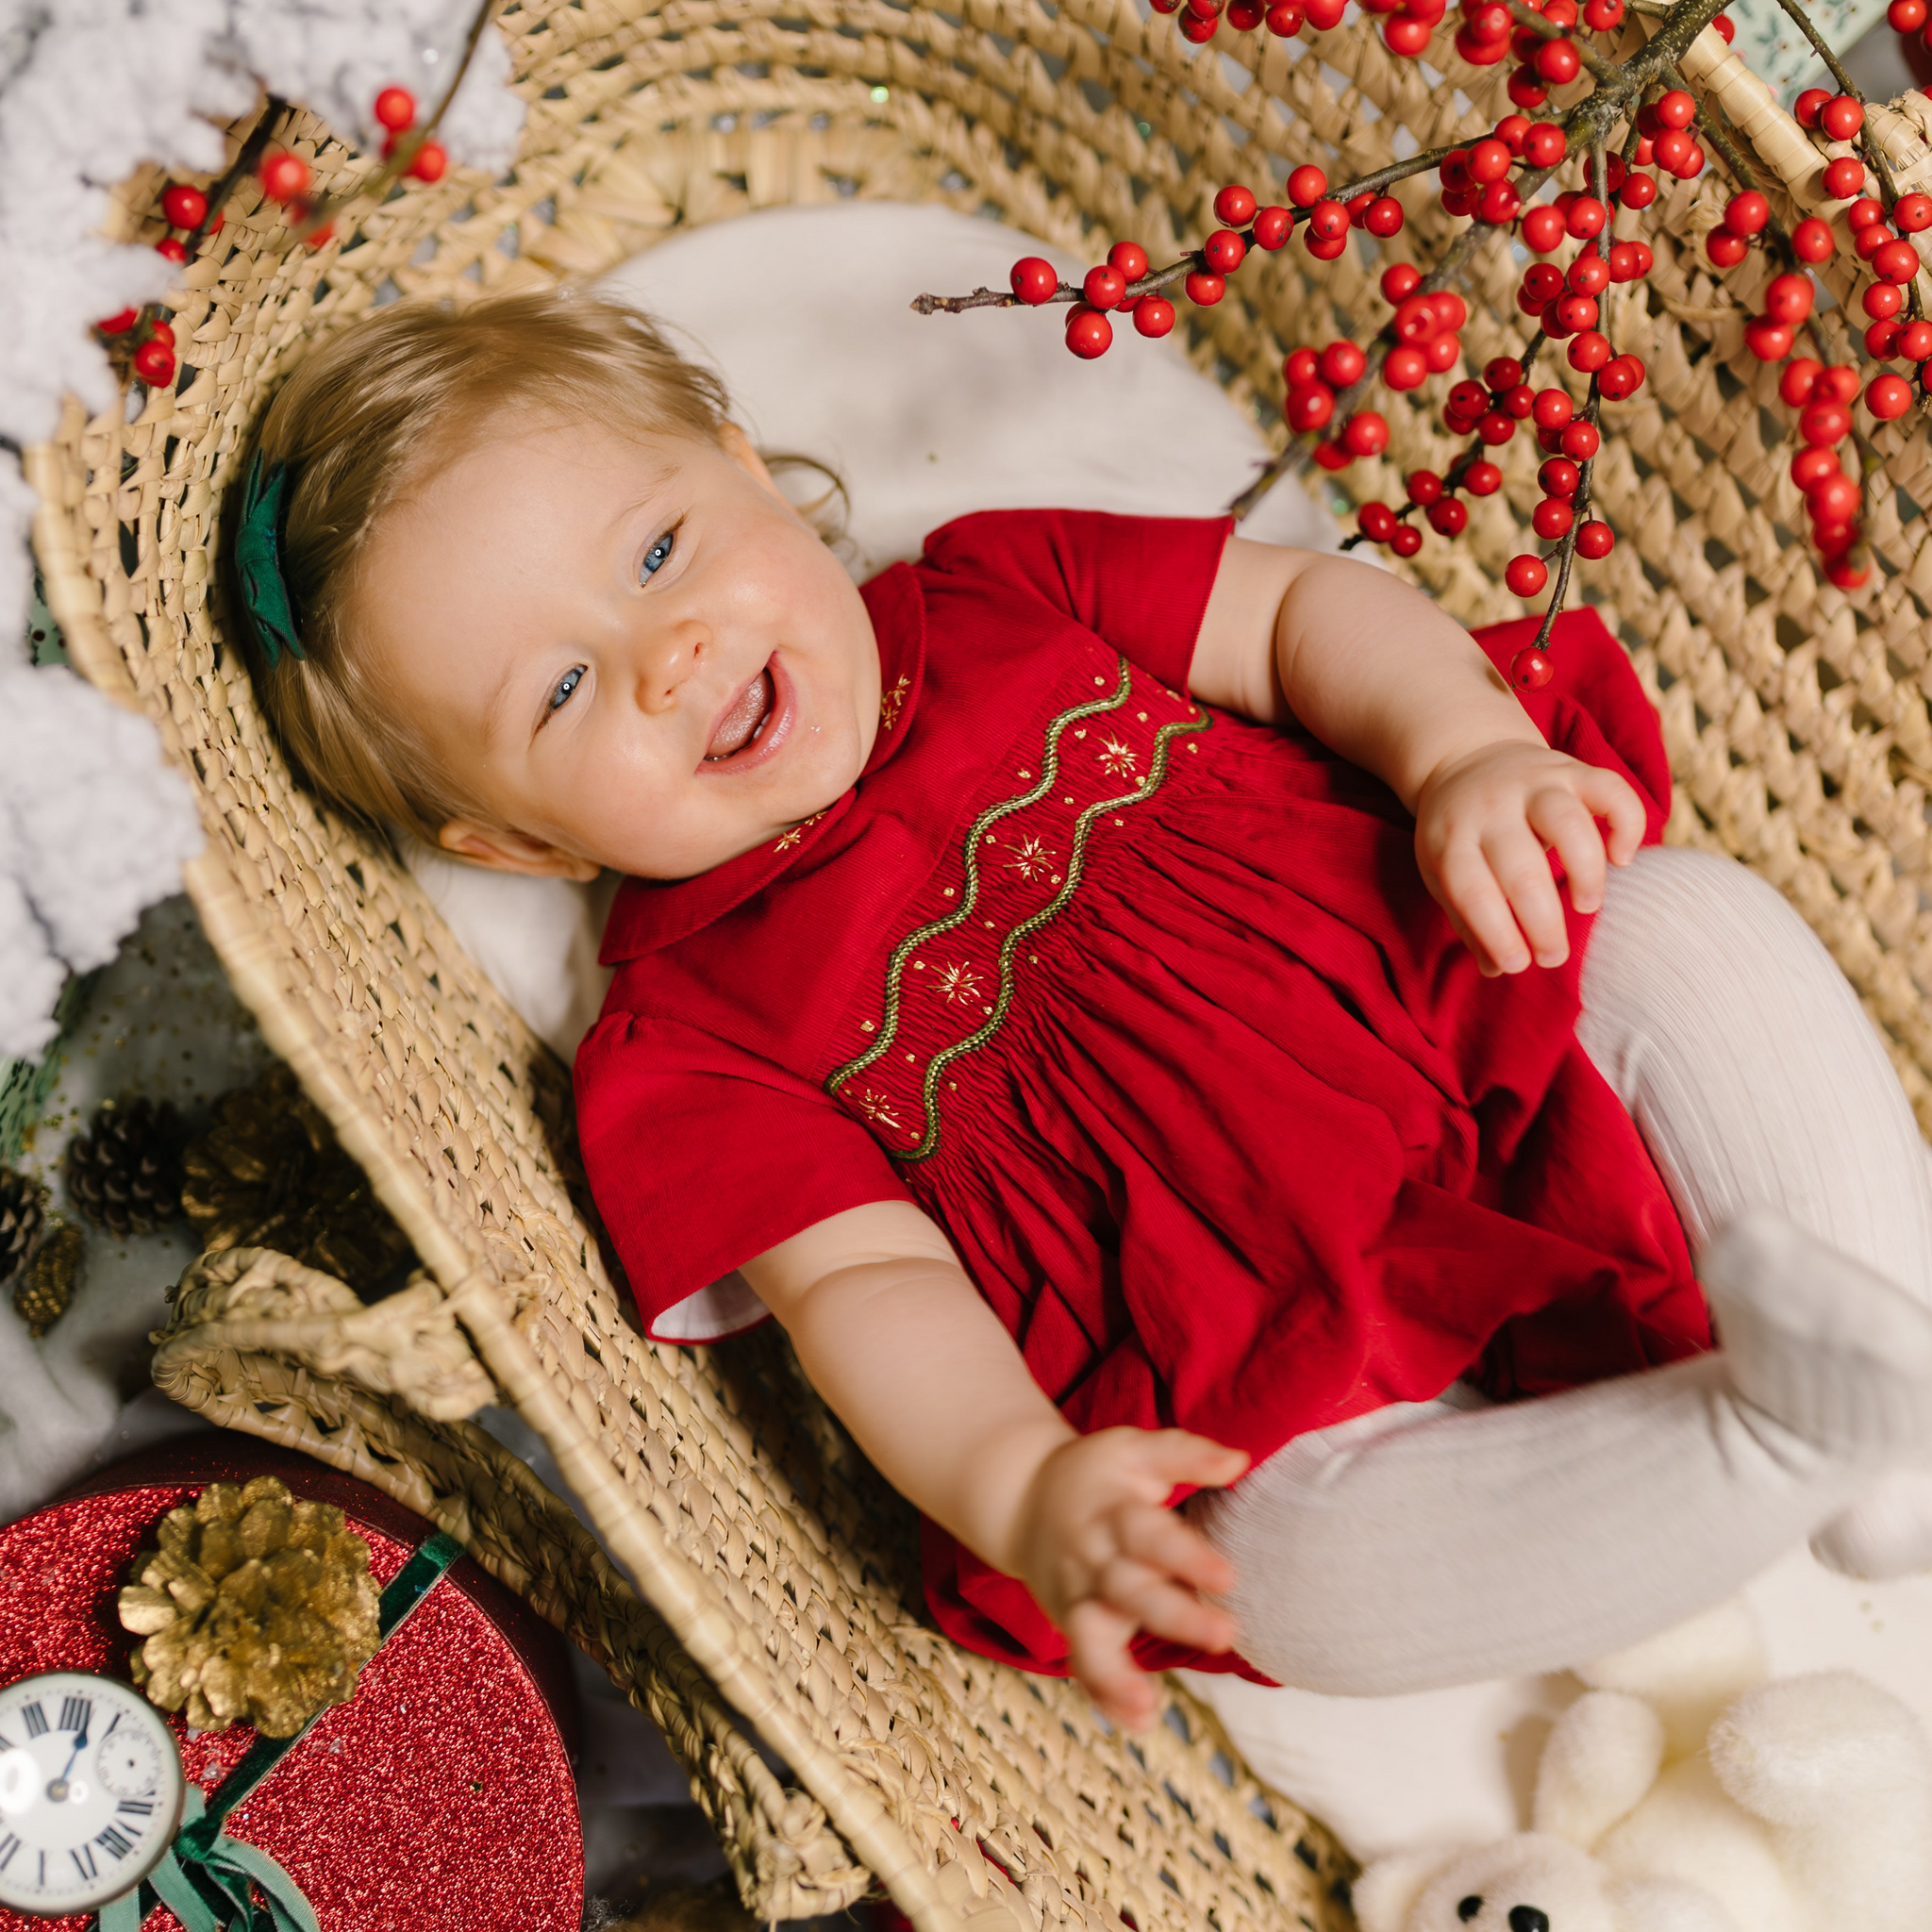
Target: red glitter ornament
(440, 1797)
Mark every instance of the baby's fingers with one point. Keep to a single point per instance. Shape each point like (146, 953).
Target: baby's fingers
(1559, 818)
(1610, 795)
(1166, 1541)
(1175, 1455)
(1097, 1637)
(1471, 892)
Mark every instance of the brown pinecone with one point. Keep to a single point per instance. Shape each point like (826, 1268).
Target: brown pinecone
(43, 1293)
(23, 1206)
(124, 1173)
(269, 1174)
(255, 1607)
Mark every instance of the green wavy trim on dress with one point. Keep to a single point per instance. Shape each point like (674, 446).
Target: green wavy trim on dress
(1156, 772)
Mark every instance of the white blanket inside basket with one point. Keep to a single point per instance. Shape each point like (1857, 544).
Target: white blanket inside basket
(805, 313)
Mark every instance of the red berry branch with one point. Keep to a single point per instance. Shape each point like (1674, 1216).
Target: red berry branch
(1638, 121)
(143, 341)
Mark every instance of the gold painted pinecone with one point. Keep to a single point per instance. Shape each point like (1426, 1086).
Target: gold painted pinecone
(269, 1174)
(23, 1206)
(42, 1294)
(255, 1608)
(124, 1173)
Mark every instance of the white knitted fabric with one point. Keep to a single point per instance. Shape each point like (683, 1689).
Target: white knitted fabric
(1441, 1544)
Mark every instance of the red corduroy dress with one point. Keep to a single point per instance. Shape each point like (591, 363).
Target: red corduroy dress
(1147, 1007)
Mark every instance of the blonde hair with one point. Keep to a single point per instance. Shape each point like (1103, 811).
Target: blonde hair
(366, 416)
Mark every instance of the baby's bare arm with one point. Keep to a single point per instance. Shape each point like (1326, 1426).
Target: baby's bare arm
(1379, 674)
(894, 1336)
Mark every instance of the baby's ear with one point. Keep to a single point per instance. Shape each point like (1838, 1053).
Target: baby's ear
(505, 850)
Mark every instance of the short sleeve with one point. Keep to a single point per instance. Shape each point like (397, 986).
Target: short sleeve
(1139, 583)
(701, 1155)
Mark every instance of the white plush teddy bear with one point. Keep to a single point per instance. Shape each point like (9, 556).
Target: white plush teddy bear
(1684, 1792)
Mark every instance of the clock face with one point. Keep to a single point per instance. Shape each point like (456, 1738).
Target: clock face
(90, 1791)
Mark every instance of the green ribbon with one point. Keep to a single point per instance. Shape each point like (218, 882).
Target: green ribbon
(209, 1880)
(258, 561)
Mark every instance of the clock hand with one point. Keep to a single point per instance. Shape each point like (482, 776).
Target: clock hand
(56, 1791)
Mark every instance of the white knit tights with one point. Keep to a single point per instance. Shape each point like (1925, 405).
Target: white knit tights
(1447, 1543)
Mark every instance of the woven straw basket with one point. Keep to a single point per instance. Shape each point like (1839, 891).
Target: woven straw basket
(771, 1567)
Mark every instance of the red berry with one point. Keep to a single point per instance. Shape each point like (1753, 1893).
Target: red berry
(1442, 352)
(1595, 541)
(1889, 396)
(1307, 185)
(1300, 368)
(1906, 16)
(1488, 159)
(1342, 363)
(1846, 575)
(1589, 351)
(1525, 575)
(1559, 476)
(1400, 280)
(1479, 53)
(284, 175)
(395, 109)
(1882, 300)
(1385, 216)
(1448, 516)
(1405, 367)
(1542, 228)
(1129, 257)
(1586, 217)
(1620, 376)
(1897, 261)
(1234, 207)
(1089, 332)
(1832, 499)
(1844, 177)
(1824, 423)
(1812, 240)
(1602, 16)
(119, 322)
(184, 206)
(1913, 212)
(1197, 29)
(154, 362)
(1407, 540)
(1558, 62)
(1376, 522)
(1530, 669)
(1034, 280)
(1245, 16)
(1553, 408)
(1580, 439)
(1501, 372)
(1104, 287)
(1725, 29)
(1842, 117)
(1224, 251)
(1544, 144)
(1331, 456)
(1915, 342)
(1768, 341)
(1324, 251)
(1807, 105)
(1326, 219)
(161, 332)
(1285, 19)
(1204, 291)
(1495, 427)
(1323, 15)
(1366, 434)
(1424, 486)
(1576, 312)
(1482, 477)
(174, 251)
(1152, 315)
(1589, 275)
(430, 162)
(1726, 249)
(1630, 261)
(1309, 408)
(1862, 213)
(1499, 203)
(1638, 190)
(1271, 226)
(1788, 298)
(1676, 110)
(1358, 206)
(1526, 90)
(1552, 519)
(1542, 281)
(1881, 339)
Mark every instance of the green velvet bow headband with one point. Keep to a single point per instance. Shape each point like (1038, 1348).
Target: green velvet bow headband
(258, 561)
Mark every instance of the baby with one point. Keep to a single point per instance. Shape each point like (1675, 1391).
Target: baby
(1106, 989)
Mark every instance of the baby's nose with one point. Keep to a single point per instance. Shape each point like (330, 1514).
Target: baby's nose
(667, 660)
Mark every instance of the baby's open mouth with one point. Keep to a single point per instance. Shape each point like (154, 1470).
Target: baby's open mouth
(741, 726)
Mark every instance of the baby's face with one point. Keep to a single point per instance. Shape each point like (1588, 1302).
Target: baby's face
(630, 652)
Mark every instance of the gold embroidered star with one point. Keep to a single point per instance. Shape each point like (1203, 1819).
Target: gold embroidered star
(960, 983)
(1118, 758)
(891, 701)
(1030, 858)
(797, 832)
(877, 1109)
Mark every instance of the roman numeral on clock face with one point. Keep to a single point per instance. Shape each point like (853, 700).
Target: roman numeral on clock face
(83, 1857)
(36, 1719)
(115, 1842)
(135, 1807)
(8, 1845)
(74, 1712)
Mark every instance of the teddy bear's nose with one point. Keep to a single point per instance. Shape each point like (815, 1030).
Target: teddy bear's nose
(1466, 1908)
(1528, 1919)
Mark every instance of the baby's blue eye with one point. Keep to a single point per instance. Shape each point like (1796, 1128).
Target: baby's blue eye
(658, 555)
(565, 686)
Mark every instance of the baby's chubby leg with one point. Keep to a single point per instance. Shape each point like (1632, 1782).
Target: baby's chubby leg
(1416, 1547)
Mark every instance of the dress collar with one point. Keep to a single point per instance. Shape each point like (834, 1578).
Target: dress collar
(648, 914)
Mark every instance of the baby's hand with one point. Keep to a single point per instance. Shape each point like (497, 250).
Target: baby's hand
(1106, 1558)
(1483, 822)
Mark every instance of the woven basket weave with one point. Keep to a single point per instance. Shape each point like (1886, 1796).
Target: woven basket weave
(771, 1566)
